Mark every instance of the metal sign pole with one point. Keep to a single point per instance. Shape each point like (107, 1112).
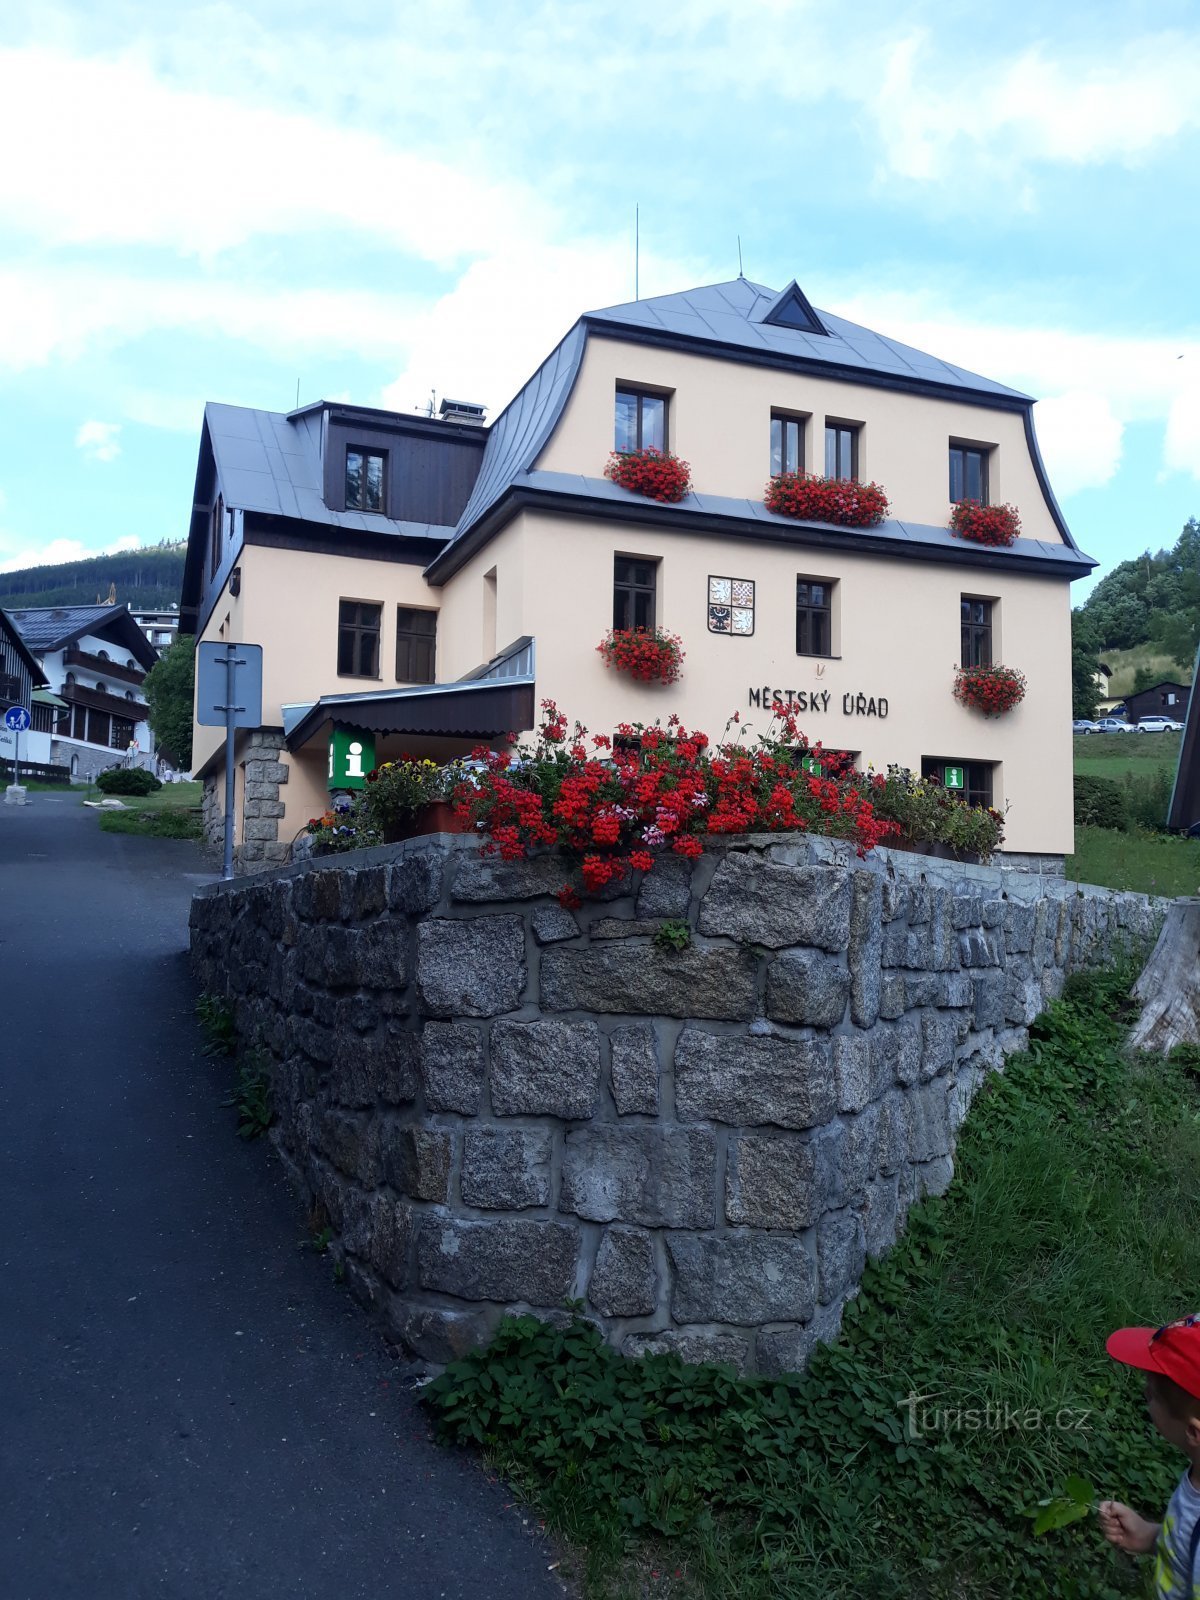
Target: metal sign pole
(16, 756)
(231, 662)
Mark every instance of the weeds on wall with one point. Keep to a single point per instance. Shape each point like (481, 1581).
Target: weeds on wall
(217, 1022)
(969, 1384)
(251, 1094)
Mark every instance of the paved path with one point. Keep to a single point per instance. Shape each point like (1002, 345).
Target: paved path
(188, 1405)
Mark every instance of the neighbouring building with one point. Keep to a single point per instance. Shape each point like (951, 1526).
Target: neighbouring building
(20, 681)
(160, 627)
(94, 660)
(419, 583)
(1159, 700)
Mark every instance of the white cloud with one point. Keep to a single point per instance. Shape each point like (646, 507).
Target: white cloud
(99, 441)
(57, 550)
(1080, 440)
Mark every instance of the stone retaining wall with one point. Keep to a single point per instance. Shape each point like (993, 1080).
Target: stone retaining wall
(495, 1102)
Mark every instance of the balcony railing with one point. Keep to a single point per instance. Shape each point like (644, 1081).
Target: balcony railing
(96, 699)
(73, 656)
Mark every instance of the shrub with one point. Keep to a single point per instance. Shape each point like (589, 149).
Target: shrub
(128, 780)
(654, 473)
(840, 500)
(1148, 797)
(397, 790)
(924, 812)
(994, 525)
(1100, 803)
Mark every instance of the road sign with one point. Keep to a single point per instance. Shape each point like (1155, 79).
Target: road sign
(954, 778)
(351, 757)
(16, 719)
(213, 669)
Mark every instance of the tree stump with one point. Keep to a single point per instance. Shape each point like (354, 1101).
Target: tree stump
(1169, 987)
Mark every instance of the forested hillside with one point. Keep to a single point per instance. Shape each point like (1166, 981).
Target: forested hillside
(1154, 599)
(146, 579)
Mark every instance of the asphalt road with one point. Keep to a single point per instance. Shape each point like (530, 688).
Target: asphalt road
(189, 1406)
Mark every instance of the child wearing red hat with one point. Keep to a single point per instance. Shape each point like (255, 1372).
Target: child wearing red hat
(1170, 1358)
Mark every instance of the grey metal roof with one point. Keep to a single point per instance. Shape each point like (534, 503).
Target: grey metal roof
(271, 463)
(45, 628)
(733, 314)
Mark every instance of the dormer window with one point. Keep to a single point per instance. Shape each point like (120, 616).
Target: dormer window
(641, 421)
(968, 473)
(364, 480)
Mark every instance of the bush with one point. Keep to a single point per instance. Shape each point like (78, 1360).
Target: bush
(1148, 797)
(1100, 803)
(128, 780)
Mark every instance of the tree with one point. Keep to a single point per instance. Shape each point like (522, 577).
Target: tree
(170, 692)
(1085, 692)
(1145, 678)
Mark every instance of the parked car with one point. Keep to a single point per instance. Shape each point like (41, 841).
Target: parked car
(1114, 725)
(1159, 725)
(1083, 726)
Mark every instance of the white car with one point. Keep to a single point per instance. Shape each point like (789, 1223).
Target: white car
(1159, 725)
(1114, 725)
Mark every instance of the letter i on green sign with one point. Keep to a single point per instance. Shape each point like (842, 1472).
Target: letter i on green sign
(351, 757)
(954, 778)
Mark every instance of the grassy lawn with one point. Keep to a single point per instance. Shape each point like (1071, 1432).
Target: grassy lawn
(1124, 664)
(1112, 755)
(1153, 863)
(172, 813)
(1068, 1216)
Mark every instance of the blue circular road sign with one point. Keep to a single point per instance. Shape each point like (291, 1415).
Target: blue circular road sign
(16, 719)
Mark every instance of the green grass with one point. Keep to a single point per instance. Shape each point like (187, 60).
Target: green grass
(1112, 755)
(171, 813)
(1152, 863)
(1071, 1213)
(1124, 664)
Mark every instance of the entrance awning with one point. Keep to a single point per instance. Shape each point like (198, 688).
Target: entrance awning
(471, 709)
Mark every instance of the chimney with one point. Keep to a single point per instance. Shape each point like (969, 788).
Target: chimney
(462, 411)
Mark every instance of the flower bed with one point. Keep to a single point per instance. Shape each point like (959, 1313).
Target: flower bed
(992, 690)
(841, 500)
(654, 473)
(931, 819)
(651, 655)
(993, 525)
(611, 811)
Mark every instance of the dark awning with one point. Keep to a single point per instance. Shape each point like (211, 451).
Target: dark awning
(479, 709)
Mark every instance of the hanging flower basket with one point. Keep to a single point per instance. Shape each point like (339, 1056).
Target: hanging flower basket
(841, 500)
(650, 655)
(650, 472)
(992, 690)
(994, 525)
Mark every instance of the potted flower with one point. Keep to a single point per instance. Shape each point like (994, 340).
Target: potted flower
(844, 501)
(992, 690)
(992, 525)
(341, 828)
(657, 474)
(649, 655)
(406, 798)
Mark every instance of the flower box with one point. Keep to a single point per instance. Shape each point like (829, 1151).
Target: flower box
(991, 690)
(654, 473)
(438, 816)
(844, 501)
(649, 655)
(991, 525)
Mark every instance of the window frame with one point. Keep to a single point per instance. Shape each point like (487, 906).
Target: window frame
(840, 425)
(366, 453)
(965, 448)
(641, 393)
(807, 612)
(971, 633)
(406, 636)
(631, 590)
(784, 418)
(975, 792)
(358, 630)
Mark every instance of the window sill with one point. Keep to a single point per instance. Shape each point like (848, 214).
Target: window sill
(360, 677)
(807, 655)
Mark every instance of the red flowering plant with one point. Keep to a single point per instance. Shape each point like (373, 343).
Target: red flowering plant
(842, 500)
(657, 474)
(662, 789)
(992, 690)
(651, 655)
(994, 525)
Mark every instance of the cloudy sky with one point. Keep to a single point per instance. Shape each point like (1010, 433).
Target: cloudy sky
(372, 201)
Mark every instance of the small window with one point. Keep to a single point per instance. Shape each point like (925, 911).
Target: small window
(10, 688)
(841, 450)
(364, 480)
(635, 584)
(215, 532)
(641, 421)
(976, 632)
(814, 617)
(416, 642)
(358, 639)
(101, 688)
(968, 473)
(787, 443)
(966, 780)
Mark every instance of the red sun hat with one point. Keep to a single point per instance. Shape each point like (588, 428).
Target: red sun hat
(1173, 1350)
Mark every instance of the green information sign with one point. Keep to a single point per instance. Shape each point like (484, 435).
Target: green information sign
(954, 778)
(811, 764)
(351, 757)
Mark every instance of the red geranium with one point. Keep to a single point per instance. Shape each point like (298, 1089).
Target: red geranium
(994, 525)
(651, 655)
(841, 500)
(992, 690)
(655, 473)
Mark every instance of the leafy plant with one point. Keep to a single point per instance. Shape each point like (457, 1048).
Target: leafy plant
(673, 934)
(993, 525)
(809, 498)
(648, 655)
(992, 690)
(657, 474)
(251, 1095)
(217, 1020)
(1077, 1500)
(127, 780)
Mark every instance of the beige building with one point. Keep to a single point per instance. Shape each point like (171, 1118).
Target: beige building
(419, 584)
